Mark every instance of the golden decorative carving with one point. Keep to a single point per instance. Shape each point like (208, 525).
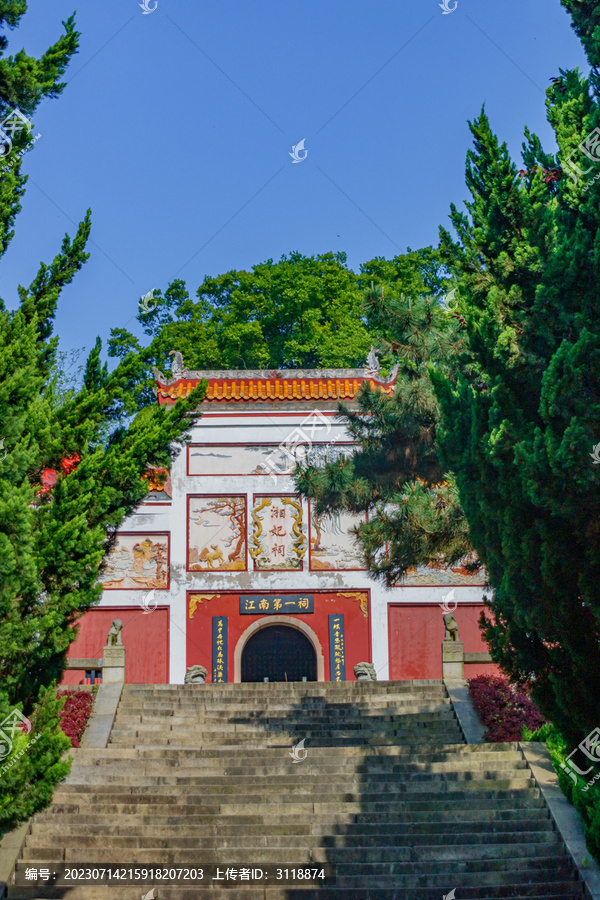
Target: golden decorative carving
(361, 596)
(196, 600)
(256, 549)
(300, 544)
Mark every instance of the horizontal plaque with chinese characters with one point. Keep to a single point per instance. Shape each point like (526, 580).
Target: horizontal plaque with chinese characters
(276, 604)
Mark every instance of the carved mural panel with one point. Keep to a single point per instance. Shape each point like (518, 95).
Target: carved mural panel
(216, 533)
(332, 546)
(234, 459)
(137, 562)
(464, 571)
(262, 459)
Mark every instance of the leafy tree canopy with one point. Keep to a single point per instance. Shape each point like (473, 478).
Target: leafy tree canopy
(395, 473)
(301, 312)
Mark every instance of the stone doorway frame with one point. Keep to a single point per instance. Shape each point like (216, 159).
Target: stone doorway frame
(265, 622)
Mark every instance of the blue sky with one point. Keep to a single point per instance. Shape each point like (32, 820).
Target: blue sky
(176, 127)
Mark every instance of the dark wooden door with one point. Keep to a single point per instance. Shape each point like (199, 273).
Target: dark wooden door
(279, 653)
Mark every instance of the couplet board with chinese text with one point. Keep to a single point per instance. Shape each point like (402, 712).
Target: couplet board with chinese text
(219, 653)
(337, 648)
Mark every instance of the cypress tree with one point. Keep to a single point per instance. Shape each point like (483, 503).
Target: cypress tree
(71, 473)
(24, 82)
(515, 417)
(527, 264)
(70, 470)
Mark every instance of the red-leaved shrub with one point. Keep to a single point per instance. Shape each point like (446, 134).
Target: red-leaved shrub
(503, 708)
(75, 714)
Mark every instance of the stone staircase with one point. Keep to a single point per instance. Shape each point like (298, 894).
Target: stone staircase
(389, 793)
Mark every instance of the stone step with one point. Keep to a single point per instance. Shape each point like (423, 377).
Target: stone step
(244, 708)
(389, 792)
(283, 762)
(216, 789)
(298, 852)
(342, 816)
(222, 803)
(274, 813)
(416, 802)
(282, 768)
(179, 836)
(310, 835)
(501, 820)
(257, 711)
(281, 832)
(387, 830)
(252, 735)
(403, 723)
(277, 737)
(263, 695)
(156, 775)
(91, 793)
(272, 698)
(518, 891)
(495, 787)
(388, 755)
(288, 722)
(161, 709)
(260, 742)
(404, 810)
(216, 850)
(375, 769)
(163, 773)
(396, 792)
(268, 722)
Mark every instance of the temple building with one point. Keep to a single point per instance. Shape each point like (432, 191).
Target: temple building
(225, 566)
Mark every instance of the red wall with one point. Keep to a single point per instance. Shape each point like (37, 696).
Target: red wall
(145, 637)
(416, 632)
(199, 631)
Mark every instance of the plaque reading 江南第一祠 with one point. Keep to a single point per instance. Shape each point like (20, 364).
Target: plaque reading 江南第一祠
(276, 604)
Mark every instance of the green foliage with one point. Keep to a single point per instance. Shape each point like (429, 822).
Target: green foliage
(53, 540)
(415, 273)
(300, 312)
(520, 414)
(37, 762)
(586, 23)
(67, 372)
(52, 543)
(584, 797)
(546, 733)
(515, 408)
(24, 83)
(415, 516)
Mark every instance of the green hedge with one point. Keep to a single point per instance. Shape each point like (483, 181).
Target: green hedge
(585, 799)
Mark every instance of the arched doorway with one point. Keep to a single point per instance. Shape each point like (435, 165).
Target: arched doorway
(279, 653)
